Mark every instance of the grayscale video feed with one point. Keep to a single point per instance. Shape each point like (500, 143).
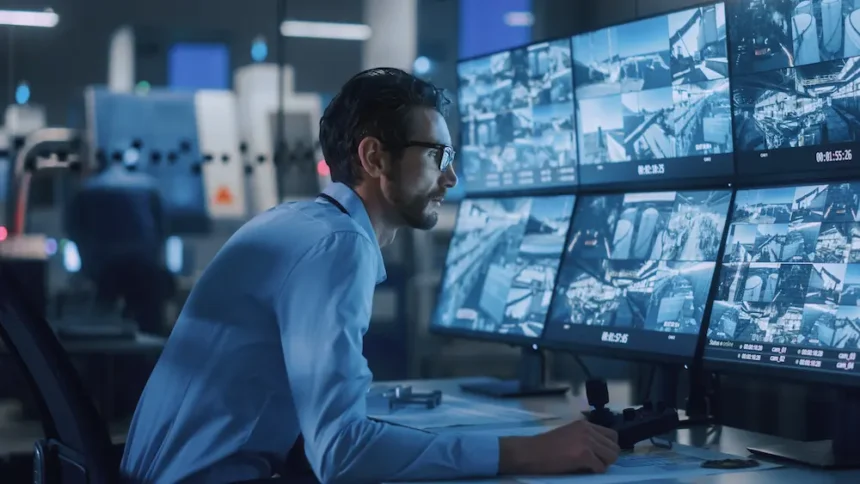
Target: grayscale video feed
(655, 89)
(791, 270)
(642, 260)
(516, 110)
(698, 45)
(795, 107)
(549, 70)
(675, 226)
(774, 34)
(701, 119)
(649, 295)
(625, 58)
(502, 263)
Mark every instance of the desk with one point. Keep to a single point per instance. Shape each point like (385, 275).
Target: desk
(718, 438)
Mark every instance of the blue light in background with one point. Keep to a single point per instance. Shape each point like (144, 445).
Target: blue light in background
(488, 26)
(198, 66)
(22, 93)
(259, 50)
(421, 66)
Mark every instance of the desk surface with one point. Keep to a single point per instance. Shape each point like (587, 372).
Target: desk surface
(18, 437)
(718, 438)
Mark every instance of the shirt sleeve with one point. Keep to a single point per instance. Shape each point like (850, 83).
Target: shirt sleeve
(324, 310)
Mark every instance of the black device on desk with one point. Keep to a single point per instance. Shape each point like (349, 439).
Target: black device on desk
(788, 302)
(633, 424)
(499, 274)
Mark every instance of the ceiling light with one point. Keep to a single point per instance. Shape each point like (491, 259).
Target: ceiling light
(519, 19)
(325, 30)
(25, 18)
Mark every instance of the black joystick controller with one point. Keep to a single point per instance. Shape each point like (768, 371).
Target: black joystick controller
(633, 424)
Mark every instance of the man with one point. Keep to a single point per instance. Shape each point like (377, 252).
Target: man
(269, 344)
(117, 222)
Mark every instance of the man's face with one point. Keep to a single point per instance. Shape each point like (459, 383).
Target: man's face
(415, 185)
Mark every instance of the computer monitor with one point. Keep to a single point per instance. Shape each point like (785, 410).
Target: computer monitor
(788, 294)
(789, 283)
(652, 99)
(636, 274)
(516, 120)
(796, 96)
(501, 268)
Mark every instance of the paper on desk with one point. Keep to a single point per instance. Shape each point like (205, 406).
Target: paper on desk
(651, 463)
(457, 412)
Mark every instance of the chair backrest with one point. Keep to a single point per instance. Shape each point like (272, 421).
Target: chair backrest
(70, 414)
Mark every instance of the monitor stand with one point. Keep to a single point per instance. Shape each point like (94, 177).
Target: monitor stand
(842, 451)
(699, 402)
(531, 382)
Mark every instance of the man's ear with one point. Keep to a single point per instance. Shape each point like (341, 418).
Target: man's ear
(374, 159)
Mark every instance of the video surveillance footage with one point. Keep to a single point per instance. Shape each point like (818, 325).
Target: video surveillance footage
(796, 79)
(653, 98)
(638, 269)
(516, 110)
(789, 285)
(502, 263)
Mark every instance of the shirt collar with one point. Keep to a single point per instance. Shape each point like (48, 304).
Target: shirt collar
(353, 204)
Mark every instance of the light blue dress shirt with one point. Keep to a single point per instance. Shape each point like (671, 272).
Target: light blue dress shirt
(268, 346)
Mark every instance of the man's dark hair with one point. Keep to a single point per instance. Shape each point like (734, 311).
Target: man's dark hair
(379, 103)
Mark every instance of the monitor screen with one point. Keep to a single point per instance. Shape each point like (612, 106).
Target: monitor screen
(501, 265)
(516, 119)
(789, 284)
(637, 271)
(795, 80)
(652, 99)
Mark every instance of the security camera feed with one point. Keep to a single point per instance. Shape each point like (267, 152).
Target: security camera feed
(795, 84)
(516, 110)
(653, 99)
(502, 263)
(637, 271)
(789, 282)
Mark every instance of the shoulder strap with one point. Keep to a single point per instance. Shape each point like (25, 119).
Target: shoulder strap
(331, 200)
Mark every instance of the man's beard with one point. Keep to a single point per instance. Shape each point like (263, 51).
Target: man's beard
(413, 211)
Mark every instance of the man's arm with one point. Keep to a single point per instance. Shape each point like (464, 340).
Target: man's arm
(323, 311)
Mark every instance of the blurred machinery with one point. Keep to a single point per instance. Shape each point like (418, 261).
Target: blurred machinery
(187, 141)
(258, 92)
(212, 153)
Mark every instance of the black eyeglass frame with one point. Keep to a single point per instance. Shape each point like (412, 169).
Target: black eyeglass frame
(446, 153)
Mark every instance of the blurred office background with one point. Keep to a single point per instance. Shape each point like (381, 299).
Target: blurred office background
(280, 62)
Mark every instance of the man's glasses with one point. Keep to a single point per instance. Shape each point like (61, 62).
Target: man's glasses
(446, 153)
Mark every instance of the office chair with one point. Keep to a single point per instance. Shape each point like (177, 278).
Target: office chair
(77, 448)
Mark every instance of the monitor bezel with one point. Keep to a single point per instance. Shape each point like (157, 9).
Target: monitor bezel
(782, 178)
(784, 373)
(619, 351)
(512, 340)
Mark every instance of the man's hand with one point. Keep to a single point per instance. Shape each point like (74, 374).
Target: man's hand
(576, 447)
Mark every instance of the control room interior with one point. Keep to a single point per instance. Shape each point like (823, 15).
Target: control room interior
(649, 201)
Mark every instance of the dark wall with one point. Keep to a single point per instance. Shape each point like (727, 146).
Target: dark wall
(58, 63)
(554, 18)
